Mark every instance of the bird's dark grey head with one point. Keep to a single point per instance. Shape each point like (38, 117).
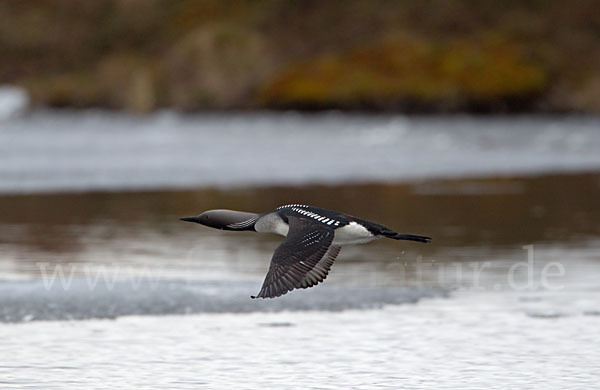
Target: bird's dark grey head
(225, 219)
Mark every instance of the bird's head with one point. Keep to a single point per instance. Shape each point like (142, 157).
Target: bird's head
(225, 219)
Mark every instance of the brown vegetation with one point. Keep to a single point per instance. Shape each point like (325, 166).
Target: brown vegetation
(432, 55)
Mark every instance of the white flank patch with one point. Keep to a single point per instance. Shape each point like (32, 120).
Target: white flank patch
(353, 233)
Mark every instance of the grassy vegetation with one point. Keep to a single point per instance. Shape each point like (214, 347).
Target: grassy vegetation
(413, 74)
(430, 55)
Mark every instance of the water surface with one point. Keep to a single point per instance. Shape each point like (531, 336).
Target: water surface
(62, 151)
(102, 286)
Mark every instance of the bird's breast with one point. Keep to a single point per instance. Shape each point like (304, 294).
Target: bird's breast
(272, 223)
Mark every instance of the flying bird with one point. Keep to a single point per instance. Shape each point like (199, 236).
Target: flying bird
(313, 239)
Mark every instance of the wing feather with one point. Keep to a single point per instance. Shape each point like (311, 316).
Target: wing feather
(321, 270)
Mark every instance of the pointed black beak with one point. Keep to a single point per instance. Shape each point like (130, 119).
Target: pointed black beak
(189, 219)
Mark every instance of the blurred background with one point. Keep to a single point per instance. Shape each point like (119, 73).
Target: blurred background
(473, 122)
(427, 56)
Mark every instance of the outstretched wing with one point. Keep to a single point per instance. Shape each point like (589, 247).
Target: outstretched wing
(296, 262)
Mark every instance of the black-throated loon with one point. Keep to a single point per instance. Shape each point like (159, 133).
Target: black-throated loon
(313, 239)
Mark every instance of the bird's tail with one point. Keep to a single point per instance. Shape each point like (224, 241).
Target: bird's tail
(385, 231)
(409, 237)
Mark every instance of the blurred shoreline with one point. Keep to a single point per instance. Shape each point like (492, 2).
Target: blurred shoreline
(381, 56)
